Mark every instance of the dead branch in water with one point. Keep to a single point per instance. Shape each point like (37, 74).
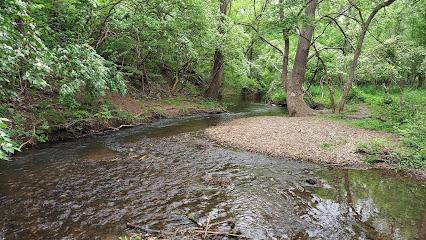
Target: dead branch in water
(202, 231)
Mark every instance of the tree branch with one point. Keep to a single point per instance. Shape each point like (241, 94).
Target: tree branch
(261, 37)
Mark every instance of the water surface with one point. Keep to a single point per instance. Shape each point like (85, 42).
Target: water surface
(157, 176)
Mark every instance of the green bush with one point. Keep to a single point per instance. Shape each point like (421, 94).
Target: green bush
(279, 96)
(80, 67)
(407, 118)
(372, 149)
(356, 95)
(24, 59)
(7, 145)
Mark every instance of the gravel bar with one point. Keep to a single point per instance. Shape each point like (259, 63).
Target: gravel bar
(303, 138)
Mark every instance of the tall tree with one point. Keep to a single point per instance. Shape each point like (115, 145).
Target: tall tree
(286, 32)
(364, 28)
(217, 71)
(295, 103)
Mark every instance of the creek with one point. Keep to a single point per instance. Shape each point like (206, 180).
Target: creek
(160, 175)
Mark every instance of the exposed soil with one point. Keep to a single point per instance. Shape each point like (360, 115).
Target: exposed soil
(305, 138)
(125, 103)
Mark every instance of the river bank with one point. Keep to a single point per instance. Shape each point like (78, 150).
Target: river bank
(313, 139)
(42, 119)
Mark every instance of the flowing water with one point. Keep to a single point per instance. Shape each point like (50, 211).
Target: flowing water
(162, 175)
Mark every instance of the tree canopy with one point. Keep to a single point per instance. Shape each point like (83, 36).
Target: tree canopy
(77, 50)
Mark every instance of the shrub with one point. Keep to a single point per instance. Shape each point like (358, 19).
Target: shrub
(7, 145)
(80, 67)
(356, 95)
(24, 59)
(278, 96)
(378, 150)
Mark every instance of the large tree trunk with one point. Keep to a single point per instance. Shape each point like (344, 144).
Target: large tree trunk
(217, 71)
(216, 77)
(357, 53)
(295, 103)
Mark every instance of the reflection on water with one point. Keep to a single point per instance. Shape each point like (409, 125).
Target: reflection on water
(386, 205)
(155, 177)
(99, 153)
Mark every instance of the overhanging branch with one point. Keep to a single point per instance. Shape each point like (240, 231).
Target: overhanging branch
(261, 37)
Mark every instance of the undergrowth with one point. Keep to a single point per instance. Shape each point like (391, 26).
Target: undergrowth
(399, 112)
(30, 123)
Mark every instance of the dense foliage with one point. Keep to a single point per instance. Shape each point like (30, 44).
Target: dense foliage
(76, 51)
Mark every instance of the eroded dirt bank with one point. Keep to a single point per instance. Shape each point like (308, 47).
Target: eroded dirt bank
(305, 138)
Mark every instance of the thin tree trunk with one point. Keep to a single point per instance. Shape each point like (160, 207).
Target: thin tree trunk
(146, 79)
(296, 105)
(176, 82)
(357, 53)
(420, 81)
(143, 83)
(326, 79)
(328, 84)
(354, 63)
(284, 73)
(217, 71)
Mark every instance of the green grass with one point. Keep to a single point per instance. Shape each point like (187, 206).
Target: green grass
(184, 105)
(326, 146)
(406, 118)
(176, 102)
(373, 149)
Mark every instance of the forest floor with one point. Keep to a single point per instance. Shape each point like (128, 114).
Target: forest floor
(313, 139)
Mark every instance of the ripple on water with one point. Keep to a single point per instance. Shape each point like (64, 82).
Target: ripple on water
(91, 189)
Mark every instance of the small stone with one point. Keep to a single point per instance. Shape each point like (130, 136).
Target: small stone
(311, 181)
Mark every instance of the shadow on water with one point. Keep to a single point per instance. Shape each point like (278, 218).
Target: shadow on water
(155, 176)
